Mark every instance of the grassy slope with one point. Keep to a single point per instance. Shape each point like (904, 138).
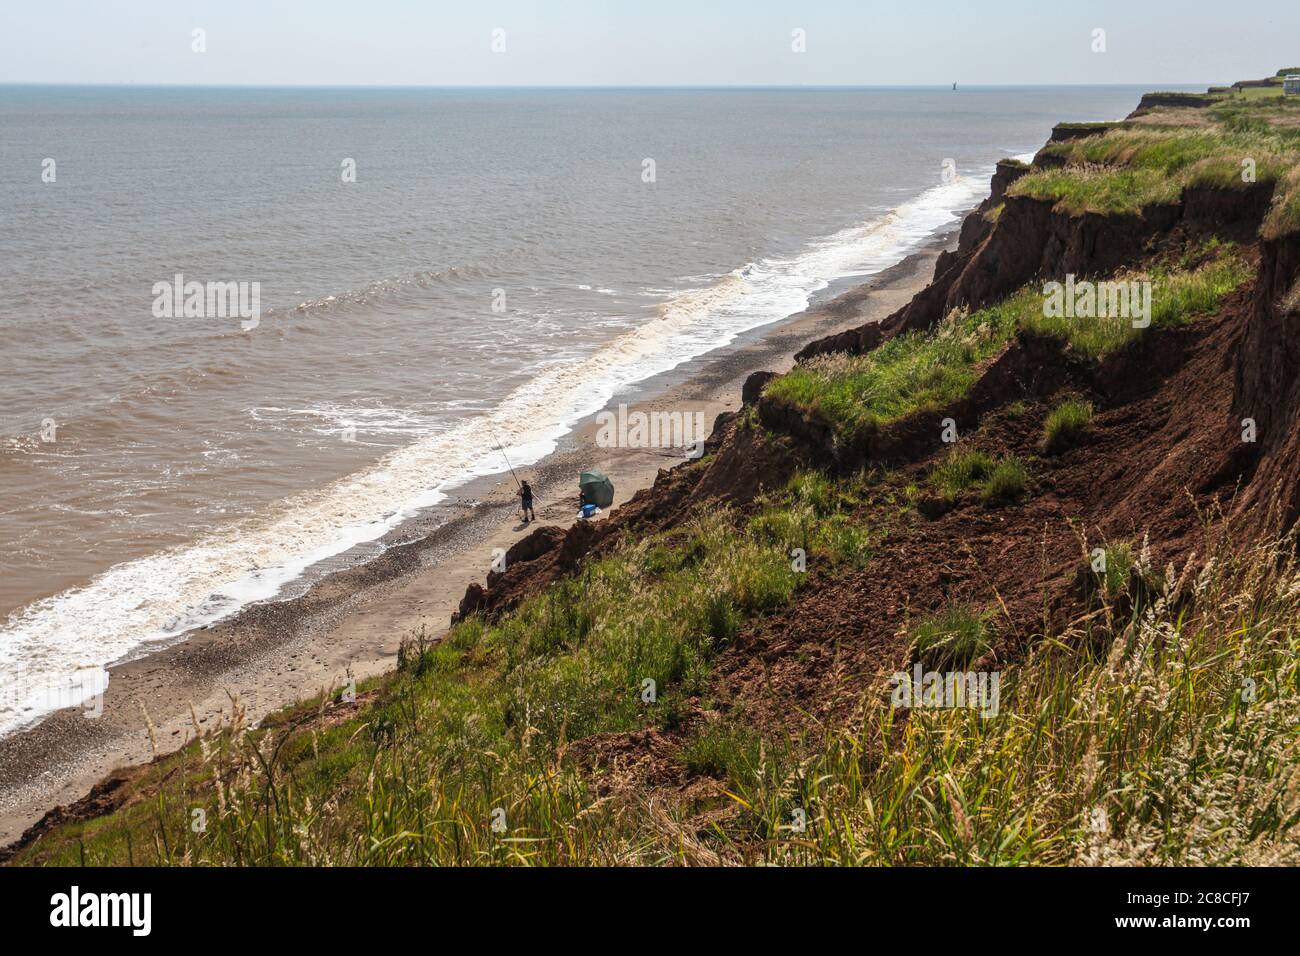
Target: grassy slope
(480, 721)
(1156, 735)
(924, 372)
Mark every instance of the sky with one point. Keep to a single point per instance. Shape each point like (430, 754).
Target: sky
(643, 42)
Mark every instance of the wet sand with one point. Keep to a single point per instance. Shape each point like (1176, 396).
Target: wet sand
(349, 624)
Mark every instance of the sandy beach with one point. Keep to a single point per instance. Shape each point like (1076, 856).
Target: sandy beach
(349, 624)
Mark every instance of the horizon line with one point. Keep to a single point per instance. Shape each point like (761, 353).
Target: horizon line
(576, 86)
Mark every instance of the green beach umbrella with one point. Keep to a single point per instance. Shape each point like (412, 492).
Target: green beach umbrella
(597, 487)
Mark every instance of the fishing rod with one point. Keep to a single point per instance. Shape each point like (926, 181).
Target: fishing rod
(507, 460)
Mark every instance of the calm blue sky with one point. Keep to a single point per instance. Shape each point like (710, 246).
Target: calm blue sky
(653, 42)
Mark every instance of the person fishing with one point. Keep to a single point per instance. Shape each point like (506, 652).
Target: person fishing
(525, 491)
(526, 501)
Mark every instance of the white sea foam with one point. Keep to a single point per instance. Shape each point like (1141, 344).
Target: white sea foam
(133, 605)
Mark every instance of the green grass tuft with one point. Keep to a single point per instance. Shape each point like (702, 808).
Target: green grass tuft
(1007, 483)
(1065, 425)
(922, 372)
(960, 470)
(953, 638)
(997, 481)
(722, 749)
(1117, 563)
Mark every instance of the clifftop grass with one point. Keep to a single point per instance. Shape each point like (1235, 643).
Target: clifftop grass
(1233, 145)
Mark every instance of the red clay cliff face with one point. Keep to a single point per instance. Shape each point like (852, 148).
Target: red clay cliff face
(1156, 101)
(1267, 388)
(1233, 214)
(1031, 241)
